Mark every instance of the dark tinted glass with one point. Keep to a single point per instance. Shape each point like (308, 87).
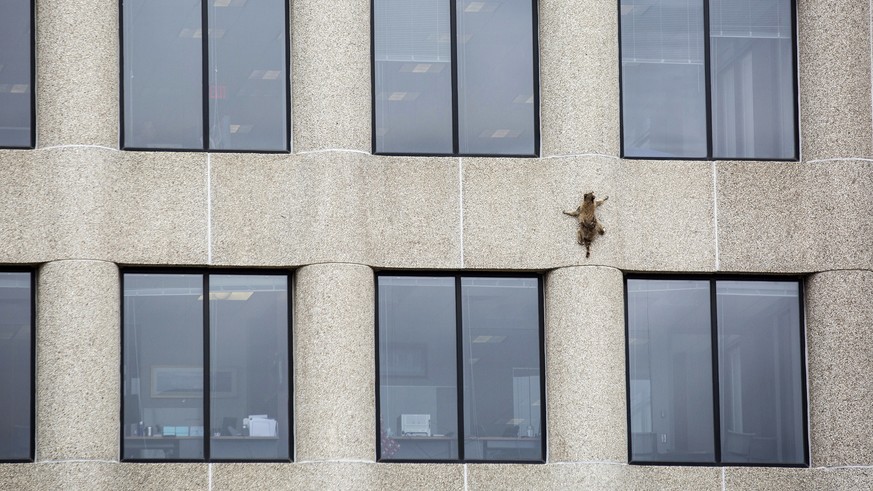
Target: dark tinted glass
(248, 353)
(752, 81)
(760, 372)
(418, 402)
(15, 84)
(495, 77)
(163, 74)
(663, 78)
(502, 392)
(163, 367)
(413, 76)
(670, 371)
(15, 366)
(247, 76)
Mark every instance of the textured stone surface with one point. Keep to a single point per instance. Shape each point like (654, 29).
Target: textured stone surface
(92, 203)
(659, 215)
(751, 478)
(790, 217)
(839, 328)
(77, 354)
(334, 357)
(579, 77)
(835, 106)
(338, 475)
(331, 74)
(593, 477)
(77, 54)
(335, 207)
(585, 365)
(103, 476)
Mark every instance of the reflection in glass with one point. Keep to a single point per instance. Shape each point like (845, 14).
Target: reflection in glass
(16, 87)
(752, 83)
(502, 396)
(670, 364)
(247, 78)
(163, 366)
(163, 73)
(418, 403)
(248, 330)
(413, 76)
(15, 366)
(495, 77)
(663, 78)
(760, 372)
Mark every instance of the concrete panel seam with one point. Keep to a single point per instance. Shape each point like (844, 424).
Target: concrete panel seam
(589, 462)
(571, 155)
(715, 210)
(79, 146)
(321, 263)
(461, 207)
(208, 209)
(723, 487)
(466, 486)
(209, 475)
(604, 266)
(836, 467)
(71, 259)
(840, 159)
(870, 36)
(329, 150)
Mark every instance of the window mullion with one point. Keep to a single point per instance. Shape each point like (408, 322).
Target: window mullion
(459, 345)
(207, 400)
(708, 80)
(204, 63)
(716, 396)
(453, 22)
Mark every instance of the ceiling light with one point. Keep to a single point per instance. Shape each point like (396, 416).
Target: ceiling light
(421, 68)
(474, 7)
(272, 74)
(221, 3)
(19, 88)
(481, 339)
(523, 99)
(239, 296)
(397, 96)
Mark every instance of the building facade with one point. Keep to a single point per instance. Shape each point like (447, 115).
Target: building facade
(78, 211)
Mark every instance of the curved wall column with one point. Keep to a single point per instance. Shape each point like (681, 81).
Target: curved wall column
(334, 358)
(587, 415)
(77, 361)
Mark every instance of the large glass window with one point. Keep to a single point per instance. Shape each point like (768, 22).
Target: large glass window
(16, 74)
(227, 90)
(715, 371)
(455, 77)
(460, 368)
(242, 334)
(708, 79)
(16, 366)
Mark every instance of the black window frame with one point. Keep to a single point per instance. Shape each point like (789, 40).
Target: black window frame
(458, 276)
(712, 280)
(453, 18)
(32, 272)
(707, 73)
(206, 273)
(204, 60)
(32, 85)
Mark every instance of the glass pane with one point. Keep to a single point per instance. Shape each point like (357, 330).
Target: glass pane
(670, 364)
(495, 77)
(752, 82)
(663, 78)
(163, 69)
(15, 366)
(15, 83)
(163, 366)
(413, 76)
(502, 379)
(247, 76)
(248, 353)
(760, 372)
(418, 380)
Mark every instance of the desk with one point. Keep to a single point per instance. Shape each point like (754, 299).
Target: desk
(509, 448)
(426, 447)
(191, 447)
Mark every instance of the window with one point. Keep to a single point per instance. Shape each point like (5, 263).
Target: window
(170, 334)
(460, 360)
(16, 365)
(228, 90)
(716, 371)
(17, 127)
(455, 77)
(708, 79)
